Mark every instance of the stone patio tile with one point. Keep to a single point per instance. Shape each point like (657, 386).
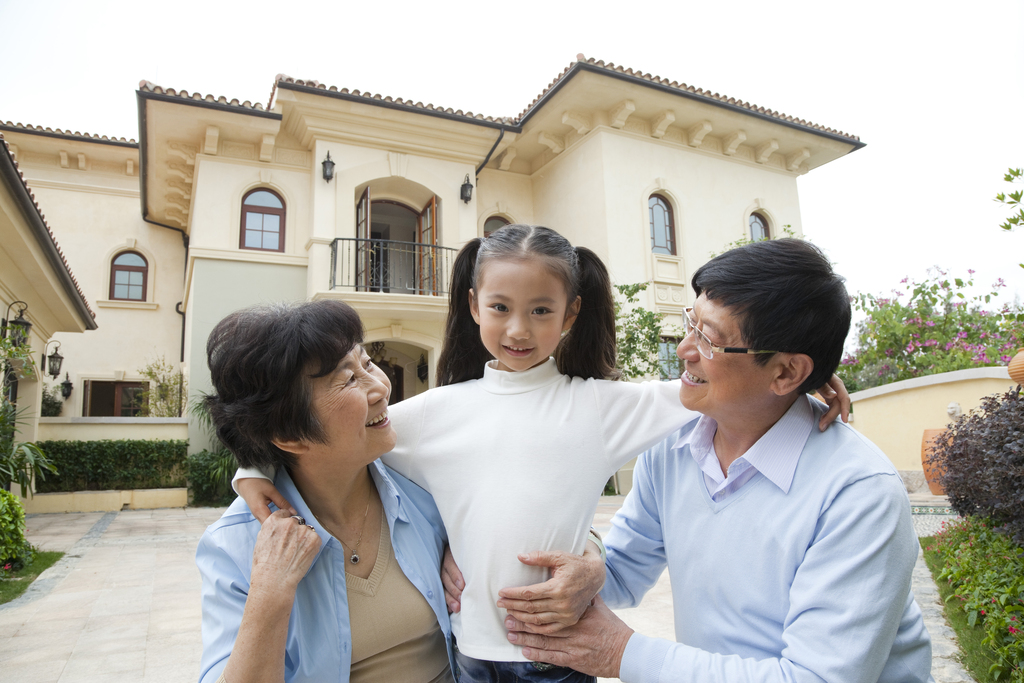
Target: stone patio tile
(121, 626)
(171, 623)
(33, 648)
(174, 658)
(54, 628)
(77, 605)
(84, 667)
(46, 671)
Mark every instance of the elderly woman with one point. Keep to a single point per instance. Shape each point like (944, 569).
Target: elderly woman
(345, 587)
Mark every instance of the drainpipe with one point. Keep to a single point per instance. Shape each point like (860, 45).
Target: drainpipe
(501, 134)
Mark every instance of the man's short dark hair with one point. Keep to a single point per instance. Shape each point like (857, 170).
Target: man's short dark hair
(787, 298)
(262, 360)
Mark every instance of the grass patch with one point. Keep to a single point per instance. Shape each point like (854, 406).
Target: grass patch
(19, 581)
(976, 657)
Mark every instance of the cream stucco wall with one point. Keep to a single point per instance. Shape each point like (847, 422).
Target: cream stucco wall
(894, 416)
(98, 428)
(94, 214)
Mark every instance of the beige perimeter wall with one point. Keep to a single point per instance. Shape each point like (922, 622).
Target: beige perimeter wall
(894, 416)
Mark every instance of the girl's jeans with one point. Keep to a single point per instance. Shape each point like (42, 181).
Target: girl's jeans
(479, 671)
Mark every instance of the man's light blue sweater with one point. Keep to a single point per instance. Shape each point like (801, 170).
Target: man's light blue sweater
(809, 585)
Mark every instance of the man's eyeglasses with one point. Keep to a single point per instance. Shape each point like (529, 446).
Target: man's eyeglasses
(704, 345)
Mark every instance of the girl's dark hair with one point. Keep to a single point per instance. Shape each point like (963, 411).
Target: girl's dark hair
(587, 351)
(262, 360)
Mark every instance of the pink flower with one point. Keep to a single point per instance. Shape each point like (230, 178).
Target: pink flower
(930, 323)
(1012, 630)
(910, 348)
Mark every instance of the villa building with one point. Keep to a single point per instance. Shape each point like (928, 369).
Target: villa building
(331, 193)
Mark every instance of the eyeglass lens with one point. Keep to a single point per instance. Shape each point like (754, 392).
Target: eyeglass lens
(703, 343)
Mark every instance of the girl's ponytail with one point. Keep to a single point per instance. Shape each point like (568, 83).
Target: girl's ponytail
(463, 354)
(588, 350)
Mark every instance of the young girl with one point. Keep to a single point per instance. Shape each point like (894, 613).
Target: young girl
(514, 445)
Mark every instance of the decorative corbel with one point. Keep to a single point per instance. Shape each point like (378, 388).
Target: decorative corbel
(267, 147)
(175, 214)
(180, 171)
(794, 160)
(765, 150)
(129, 168)
(210, 143)
(63, 159)
(177, 202)
(660, 124)
(81, 162)
(398, 164)
(732, 143)
(14, 151)
(183, 150)
(506, 158)
(695, 135)
(578, 120)
(619, 113)
(553, 142)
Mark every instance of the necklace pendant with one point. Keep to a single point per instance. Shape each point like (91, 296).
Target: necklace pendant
(354, 559)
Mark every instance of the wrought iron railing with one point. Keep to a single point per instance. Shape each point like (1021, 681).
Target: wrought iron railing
(368, 265)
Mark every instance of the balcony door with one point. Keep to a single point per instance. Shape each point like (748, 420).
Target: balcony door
(427, 238)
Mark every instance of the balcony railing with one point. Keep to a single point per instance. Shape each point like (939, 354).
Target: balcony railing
(368, 265)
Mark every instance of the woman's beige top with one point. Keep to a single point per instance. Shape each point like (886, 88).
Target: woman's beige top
(395, 634)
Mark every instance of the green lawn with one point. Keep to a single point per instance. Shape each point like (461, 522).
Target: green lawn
(20, 580)
(976, 658)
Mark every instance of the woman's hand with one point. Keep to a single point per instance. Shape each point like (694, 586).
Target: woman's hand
(559, 602)
(283, 554)
(451, 579)
(835, 395)
(259, 494)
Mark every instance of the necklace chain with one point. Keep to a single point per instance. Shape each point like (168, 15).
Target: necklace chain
(354, 558)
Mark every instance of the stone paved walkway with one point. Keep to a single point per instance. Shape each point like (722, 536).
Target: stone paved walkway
(123, 603)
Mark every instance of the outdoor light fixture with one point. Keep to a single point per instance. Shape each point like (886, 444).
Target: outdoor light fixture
(421, 368)
(55, 359)
(328, 168)
(66, 386)
(467, 190)
(18, 327)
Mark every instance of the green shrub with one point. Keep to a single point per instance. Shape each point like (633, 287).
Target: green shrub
(209, 477)
(986, 571)
(14, 547)
(114, 464)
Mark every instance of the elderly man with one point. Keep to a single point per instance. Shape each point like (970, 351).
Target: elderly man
(790, 550)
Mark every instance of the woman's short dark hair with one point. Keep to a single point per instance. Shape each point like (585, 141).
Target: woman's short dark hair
(787, 298)
(262, 360)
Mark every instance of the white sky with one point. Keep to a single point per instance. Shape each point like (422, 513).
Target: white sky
(935, 89)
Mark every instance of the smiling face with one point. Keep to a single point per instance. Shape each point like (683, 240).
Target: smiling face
(522, 308)
(351, 404)
(728, 386)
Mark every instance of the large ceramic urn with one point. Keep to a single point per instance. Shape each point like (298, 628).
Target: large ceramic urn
(931, 471)
(1016, 367)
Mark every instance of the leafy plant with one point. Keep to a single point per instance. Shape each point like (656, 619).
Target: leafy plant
(52, 404)
(210, 471)
(20, 462)
(115, 464)
(982, 462)
(15, 551)
(1012, 200)
(937, 328)
(165, 395)
(985, 569)
(787, 231)
(637, 332)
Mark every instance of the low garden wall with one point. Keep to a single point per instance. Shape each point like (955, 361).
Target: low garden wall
(894, 416)
(95, 428)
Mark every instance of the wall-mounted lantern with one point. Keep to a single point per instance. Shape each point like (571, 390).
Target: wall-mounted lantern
(19, 327)
(421, 368)
(55, 359)
(328, 168)
(466, 193)
(66, 386)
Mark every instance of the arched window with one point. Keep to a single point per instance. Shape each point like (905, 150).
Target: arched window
(493, 223)
(262, 221)
(759, 227)
(663, 229)
(129, 273)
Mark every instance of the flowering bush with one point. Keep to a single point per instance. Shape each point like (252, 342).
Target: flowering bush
(929, 327)
(986, 572)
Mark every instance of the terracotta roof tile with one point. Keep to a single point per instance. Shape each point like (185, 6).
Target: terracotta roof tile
(32, 196)
(146, 86)
(282, 78)
(85, 136)
(700, 92)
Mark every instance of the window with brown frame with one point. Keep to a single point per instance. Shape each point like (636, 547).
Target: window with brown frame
(262, 221)
(759, 227)
(493, 223)
(129, 273)
(113, 399)
(663, 229)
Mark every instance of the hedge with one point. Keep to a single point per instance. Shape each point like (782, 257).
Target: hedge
(114, 464)
(15, 551)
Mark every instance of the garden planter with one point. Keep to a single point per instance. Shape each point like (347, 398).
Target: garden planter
(931, 472)
(1016, 367)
